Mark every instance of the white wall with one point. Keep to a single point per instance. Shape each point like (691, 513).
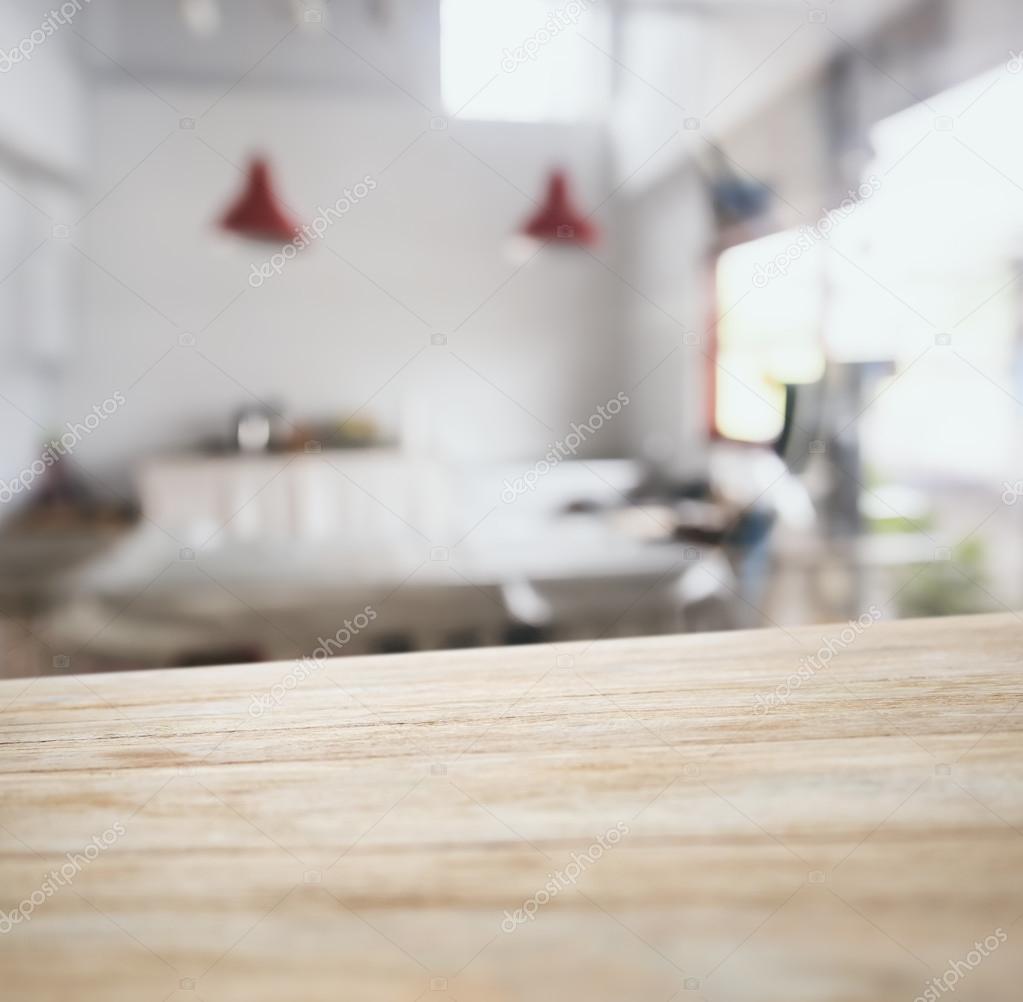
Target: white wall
(40, 113)
(427, 253)
(665, 299)
(40, 156)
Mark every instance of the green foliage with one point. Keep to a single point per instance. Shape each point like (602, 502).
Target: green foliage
(947, 587)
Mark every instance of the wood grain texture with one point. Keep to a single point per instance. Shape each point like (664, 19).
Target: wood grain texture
(369, 837)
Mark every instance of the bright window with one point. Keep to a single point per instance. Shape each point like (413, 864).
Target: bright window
(524, 60)
(926, 278)
(768, 334)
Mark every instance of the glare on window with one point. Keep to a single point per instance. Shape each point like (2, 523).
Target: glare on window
(524, 60)
(769, 332)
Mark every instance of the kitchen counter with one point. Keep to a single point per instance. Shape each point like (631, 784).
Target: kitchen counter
(670, 818)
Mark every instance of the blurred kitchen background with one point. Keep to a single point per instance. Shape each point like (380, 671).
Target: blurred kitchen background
(509, 321)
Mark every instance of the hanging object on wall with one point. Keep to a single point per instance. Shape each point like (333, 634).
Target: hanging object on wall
(258, 213)
(558, 218)
(736, 200)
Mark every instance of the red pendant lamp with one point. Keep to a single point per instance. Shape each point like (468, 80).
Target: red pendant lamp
(558, 218)
(258, 213)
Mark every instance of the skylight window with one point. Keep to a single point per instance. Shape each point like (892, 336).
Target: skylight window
(524, 60)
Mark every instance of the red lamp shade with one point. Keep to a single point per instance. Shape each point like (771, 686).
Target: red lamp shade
(558, 218)
(258, 213)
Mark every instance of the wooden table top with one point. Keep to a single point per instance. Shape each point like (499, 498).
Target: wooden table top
(688, 818)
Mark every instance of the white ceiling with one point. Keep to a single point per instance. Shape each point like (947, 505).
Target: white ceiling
(262, 41)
